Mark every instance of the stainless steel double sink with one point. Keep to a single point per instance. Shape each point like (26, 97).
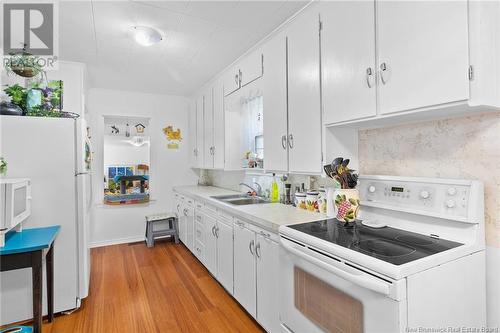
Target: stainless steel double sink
(240, 199)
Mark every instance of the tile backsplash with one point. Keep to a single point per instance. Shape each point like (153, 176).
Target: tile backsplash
(466, 147)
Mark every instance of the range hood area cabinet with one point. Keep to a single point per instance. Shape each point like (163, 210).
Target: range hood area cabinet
(249, 69)
(208, 126)
(292, 110)
(427, 53)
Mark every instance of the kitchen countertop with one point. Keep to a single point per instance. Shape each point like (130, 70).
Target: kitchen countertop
(269, 216)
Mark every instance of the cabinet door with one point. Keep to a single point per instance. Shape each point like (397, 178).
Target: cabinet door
(422, 52)
(267, 283)
(189, 213)
(231, 80)
(210, 244)
(200, 136)
(192, 134)
(208, 127)
(251, 67)
(218, 102)
(183, 224)
(304, 111)
(275, 111)
(225, 255)
(244, 268)
(348, 60)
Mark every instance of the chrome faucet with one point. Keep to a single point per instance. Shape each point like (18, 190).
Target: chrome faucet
(259, 188)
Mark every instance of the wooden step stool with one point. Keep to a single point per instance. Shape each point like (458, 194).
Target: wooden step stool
(161, 225)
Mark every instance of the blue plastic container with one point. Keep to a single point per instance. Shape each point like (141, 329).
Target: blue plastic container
(18, 329)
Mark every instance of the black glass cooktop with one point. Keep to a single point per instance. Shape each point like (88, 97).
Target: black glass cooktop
(392, 245)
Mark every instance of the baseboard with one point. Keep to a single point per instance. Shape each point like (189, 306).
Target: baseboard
(117, 241)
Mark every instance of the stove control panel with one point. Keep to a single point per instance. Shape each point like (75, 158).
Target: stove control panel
(445, 197)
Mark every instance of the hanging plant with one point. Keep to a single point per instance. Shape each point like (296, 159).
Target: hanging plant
(23, 64)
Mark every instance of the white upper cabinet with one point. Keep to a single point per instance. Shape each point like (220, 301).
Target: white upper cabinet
(208, 129)
(348, 60)
(422, 53)
(192, 133)
(231, 80)
(218, 125)
(251, 67)
(244, 72)
(304, 109)
(275, 106)
(199, 131)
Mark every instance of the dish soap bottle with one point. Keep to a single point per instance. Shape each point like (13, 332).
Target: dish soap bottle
(275, 196)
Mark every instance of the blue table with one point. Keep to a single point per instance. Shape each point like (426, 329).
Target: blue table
(26, 249)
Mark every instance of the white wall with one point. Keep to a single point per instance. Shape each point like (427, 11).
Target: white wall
(115, 224)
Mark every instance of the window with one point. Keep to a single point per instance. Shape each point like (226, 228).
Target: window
(126, 160)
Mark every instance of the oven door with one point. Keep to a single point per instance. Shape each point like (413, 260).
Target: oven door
(320, 293)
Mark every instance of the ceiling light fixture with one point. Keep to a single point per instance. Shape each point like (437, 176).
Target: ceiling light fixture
(146, 36)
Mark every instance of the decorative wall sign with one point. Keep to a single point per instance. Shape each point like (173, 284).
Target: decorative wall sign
(139, 128)
(173, 137)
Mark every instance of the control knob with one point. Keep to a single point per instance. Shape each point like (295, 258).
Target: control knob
(424, 194)
(452, 191)
(450, 203)
(371, 188)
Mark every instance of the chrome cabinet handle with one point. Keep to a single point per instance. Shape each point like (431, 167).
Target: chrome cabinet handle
(290, 141)
(195, 153)
(185, 211)
(237, 78)
(369, 76)
(383, 70)
(213, 231)
(257, 250)
(217, 232)
(265, 234)
(251, 247)
(283, 141)
(240, 224)
(241, 76)
(178, 206)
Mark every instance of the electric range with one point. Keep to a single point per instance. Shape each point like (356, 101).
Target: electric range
(422, 267)
(395, 246)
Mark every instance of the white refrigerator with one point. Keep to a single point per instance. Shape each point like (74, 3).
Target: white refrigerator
(55, 154)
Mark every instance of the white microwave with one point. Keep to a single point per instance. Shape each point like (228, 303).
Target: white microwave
(15, 203)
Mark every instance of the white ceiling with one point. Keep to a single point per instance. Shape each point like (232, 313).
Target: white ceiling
(200, 39)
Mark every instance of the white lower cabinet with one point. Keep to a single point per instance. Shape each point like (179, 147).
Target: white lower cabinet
(255, 274)
(267, 252)
(242, 257)
(210, 244)
(219, 249)
(225, 254)
(245, 279)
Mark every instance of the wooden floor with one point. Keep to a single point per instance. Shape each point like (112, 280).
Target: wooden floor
(162, 289)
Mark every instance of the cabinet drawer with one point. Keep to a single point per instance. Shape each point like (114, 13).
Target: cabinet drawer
(189, 201)
(199, 233)
(199, 251)
(225, 217)
(209, 209)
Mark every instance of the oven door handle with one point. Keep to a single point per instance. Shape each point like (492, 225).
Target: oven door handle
(362, 279)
